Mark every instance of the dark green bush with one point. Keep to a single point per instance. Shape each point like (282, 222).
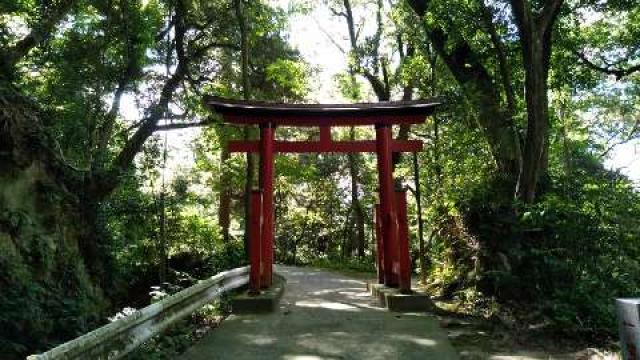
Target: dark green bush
(568, 256)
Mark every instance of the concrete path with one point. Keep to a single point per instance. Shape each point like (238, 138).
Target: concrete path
(324, 315)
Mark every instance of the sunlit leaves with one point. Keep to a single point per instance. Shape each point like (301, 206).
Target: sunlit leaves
(349, 86)
(290, 78)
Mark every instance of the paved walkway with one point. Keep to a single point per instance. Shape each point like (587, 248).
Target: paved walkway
(324, 315)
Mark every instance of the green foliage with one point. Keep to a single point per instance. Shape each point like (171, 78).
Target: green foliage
(586, 253)
(290, 79)
(180, 336)
(565, 258)
(358, 265)
(350, 87)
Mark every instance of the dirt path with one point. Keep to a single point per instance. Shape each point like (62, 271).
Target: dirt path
(324, 315)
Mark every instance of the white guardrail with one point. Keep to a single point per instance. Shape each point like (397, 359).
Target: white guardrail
(116, 339)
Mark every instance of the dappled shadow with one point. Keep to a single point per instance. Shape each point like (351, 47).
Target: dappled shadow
(325, 316)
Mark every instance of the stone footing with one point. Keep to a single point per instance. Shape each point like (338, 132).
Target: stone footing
(265, 302)
(392, 299)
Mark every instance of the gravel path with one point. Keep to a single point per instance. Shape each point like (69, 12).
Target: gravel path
(324, 315)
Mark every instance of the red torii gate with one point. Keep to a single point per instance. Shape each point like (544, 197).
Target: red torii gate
(392, 237)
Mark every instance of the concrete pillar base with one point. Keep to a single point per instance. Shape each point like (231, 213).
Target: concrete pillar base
(394, 300)
(265, 302)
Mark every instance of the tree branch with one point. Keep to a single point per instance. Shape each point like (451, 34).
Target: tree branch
(523, 16)
(131, 69)
(419, 6)
(175, 126)
(630, 136)
(337, 13)
(548, 14)
(329, 37)
(378, 86)
(353, 38)
(503, 62)
(104, 185)
(41, 32)
(618, 73)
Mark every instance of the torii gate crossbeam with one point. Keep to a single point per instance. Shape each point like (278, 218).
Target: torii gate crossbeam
(392, 238)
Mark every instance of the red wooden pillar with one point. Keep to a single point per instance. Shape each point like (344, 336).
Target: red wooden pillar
(404, 264)
(385, 179)
(255, 241)
(379, 245)
(325, 138)
(266, 183)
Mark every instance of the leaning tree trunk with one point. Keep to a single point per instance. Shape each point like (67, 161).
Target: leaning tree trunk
(479, 88)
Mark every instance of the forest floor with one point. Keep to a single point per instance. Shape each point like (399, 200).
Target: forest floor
(477, 338)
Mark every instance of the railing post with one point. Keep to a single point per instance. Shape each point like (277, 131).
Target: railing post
(255, 248)
(404, 264)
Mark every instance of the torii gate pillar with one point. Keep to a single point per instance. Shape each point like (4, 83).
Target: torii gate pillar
(266, 184)
(387, 213)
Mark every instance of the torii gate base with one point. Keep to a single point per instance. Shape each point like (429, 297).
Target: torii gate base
(392, 231)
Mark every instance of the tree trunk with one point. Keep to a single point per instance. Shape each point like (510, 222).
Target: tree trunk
(535, 27)
(357, 212)
(479, 88)
(224, 208)
(248, 186)
(534, 155)
(246, 95)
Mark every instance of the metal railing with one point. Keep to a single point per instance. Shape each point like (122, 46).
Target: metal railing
(116, 339)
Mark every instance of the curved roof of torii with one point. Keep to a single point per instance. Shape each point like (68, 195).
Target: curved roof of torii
(256, 112)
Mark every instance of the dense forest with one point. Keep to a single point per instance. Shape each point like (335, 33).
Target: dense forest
(518, 210)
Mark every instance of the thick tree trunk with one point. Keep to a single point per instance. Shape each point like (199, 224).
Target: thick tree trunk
(479, 88)
(92, 242)
(534, 156)
(535, 27)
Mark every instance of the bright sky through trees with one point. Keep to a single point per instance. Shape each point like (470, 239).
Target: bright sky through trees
(318, 36)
